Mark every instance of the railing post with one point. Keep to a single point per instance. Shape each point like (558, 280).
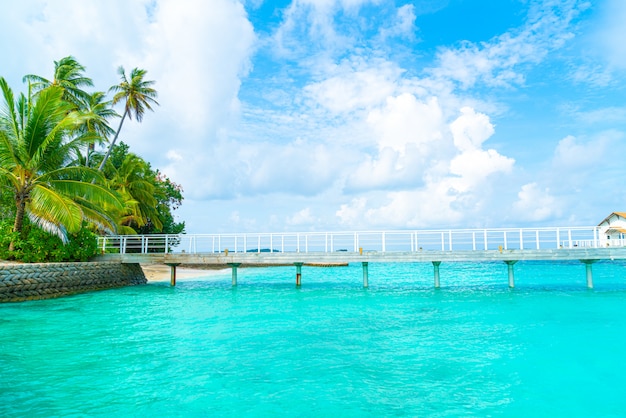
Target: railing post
(356, 242)
(596, 237)
(485, 236)
(298, 242)
(537, 238)
(443, 242)
(326, 242)
(505, 244)
(271, 243)
(450, 239)
(558, 238)
(474, 240)
(521, 239)
(569, 237)
(384, 243)
(258, 244)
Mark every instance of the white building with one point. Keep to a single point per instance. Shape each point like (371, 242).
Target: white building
(613, 230)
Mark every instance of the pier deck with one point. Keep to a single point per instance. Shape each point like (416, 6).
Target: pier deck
(508, 245)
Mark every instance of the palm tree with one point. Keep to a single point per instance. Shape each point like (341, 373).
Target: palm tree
(37, 141)
(97, 111)
(137, 95)
(68, 74)
(136, 191)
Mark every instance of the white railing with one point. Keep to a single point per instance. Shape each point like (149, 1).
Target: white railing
(381, 241)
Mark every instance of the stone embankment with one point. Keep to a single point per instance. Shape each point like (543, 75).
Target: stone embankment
(19, 282)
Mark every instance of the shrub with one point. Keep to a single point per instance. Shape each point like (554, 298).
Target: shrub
(38, 246)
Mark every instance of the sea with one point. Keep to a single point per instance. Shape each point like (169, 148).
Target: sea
(329, 348)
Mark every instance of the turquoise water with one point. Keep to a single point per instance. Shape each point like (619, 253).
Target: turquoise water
(550, 347)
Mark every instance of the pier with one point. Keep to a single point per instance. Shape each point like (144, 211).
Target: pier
(508, 245)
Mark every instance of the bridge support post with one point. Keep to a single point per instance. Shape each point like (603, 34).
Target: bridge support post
(510, 264)
(298, 273)
(365, 274)
(234, 270)
(436, 265)
(588, 264)
(173, 273)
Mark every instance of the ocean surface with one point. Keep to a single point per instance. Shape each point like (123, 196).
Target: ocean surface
(550, 347)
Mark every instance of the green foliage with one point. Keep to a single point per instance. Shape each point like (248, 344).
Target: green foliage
(150, 214)
(34, 245)
(48, 180)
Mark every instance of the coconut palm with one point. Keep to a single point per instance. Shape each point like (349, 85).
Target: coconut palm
(137, 95)
(68, 74)
(96, 112)
(136, 191)
(37, 141)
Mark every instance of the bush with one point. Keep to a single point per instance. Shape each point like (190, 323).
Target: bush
(38, 246)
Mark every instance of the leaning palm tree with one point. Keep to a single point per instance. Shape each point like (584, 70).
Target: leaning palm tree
(137, 94)
(69, 75)
(37, 141)
(96, 112)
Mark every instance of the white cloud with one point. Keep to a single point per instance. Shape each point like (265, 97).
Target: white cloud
(354, 88)
(535, 204)
(470, 130)
(495, 62)
(405, 120)
(403, 24)
(302, 217)
(572, 153)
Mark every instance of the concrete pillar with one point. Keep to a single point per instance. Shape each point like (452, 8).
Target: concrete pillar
(365, 274)
(510, 264)
(234, 270)
(436, 265)
(298, 274)
(173, 273)
(589, 272)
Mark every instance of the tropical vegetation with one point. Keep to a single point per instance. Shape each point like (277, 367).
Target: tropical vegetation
(57, 192)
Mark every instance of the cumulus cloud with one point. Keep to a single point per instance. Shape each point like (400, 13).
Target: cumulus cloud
(356, 85)
(535, 204)
(575, 154)
(444, 182)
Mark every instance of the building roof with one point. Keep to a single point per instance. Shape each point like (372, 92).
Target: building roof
(620, 214)
(615, 230)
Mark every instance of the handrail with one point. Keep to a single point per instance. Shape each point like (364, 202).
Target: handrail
(356, 241)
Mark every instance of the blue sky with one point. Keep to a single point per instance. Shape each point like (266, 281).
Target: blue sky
(359, 114)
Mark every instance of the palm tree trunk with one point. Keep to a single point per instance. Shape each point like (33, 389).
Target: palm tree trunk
(19, 219)
(90, 149)
(106, 157)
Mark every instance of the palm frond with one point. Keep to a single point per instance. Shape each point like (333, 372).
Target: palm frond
(55, 208)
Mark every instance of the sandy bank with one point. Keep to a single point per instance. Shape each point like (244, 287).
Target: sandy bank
(161, 272)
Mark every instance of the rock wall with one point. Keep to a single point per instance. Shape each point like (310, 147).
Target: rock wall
(20, 282)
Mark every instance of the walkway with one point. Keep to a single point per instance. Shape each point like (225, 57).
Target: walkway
(508, 245)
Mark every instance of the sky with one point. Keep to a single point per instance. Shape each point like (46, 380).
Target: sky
(321, 115)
